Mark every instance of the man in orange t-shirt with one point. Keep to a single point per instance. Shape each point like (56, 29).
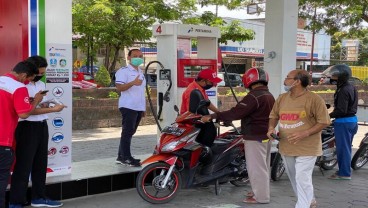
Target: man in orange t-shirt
(205, 80)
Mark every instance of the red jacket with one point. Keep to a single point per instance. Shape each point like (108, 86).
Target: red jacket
(186, 95)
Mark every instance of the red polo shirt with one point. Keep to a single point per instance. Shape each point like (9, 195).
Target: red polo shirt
(14, 100)
(186, 96)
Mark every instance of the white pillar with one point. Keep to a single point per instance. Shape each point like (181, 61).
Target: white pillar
(280, 37)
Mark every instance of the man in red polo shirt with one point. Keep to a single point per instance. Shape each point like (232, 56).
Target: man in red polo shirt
(14, 104)
(195, 92)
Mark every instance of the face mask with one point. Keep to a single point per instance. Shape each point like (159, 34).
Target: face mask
(37, 78)
(209, 86)
(288, 88)
(136, 61)
(333, 81)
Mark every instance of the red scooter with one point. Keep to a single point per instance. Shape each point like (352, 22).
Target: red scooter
(181, 162)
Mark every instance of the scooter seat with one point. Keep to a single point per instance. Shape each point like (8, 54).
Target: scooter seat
(219, 145)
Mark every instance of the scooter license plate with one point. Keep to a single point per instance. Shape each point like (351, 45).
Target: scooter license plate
(173, 130)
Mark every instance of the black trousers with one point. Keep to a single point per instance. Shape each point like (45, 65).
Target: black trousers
(130, 122)
(31, 158)
(6, 160)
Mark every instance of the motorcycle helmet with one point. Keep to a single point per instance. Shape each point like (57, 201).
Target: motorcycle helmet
(341, 71)
(253, 76)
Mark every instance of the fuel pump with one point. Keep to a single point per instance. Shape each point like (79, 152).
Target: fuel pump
(166, 75)
(175, 52)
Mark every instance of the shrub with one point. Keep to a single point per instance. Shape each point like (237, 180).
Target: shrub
(237, 94)
(113, 94)
(103, 77)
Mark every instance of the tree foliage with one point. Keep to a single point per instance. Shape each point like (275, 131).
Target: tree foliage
(116, 24)
(103, 77)
(229, 30)
(335, 15)
(337, 48)
(229, 4)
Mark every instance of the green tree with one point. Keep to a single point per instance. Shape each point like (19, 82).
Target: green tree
(361, 35)
(335, 15)
(103, 77)
(229, 30)
(117, 24)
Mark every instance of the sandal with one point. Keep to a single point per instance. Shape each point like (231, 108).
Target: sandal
(250, 200)
(250, 194)
(313, 204)
(337, 177)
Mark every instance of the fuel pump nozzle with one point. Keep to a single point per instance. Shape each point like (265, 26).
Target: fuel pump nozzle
(161, 96)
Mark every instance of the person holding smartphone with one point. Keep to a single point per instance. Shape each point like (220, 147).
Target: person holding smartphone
(14, 104)
(32, 136)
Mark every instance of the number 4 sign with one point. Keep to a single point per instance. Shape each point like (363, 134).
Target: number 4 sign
(159, 29)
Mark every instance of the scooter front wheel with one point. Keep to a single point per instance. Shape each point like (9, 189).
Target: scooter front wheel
(360, 157)
(150, 181)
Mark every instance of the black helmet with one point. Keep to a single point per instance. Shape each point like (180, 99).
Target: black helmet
(341, 71)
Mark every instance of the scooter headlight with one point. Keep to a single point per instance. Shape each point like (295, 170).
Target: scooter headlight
(171, 145)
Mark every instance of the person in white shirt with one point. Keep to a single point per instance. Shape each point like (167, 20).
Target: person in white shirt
(32, 136)
(131, 83)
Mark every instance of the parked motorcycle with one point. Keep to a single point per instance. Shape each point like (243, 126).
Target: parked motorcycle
(327, 161)
(181, 162)
(360, 158)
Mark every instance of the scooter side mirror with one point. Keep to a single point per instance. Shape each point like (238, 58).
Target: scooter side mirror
(176, 109)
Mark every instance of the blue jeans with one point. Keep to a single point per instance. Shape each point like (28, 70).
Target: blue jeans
(6, 160)
(130, 122)
(344, 134)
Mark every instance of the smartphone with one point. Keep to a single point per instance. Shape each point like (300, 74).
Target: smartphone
(275, 137)
(44, 92)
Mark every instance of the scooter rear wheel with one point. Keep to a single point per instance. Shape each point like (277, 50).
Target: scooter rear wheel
(243, 179)
(150, 181)
(360, 157)
(278, 168)
(329, 165)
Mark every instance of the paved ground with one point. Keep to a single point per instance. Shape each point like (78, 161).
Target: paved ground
(102, 143)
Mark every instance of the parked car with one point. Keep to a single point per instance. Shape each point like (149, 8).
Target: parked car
(352, 80)
(86, 70)
(234, 79)
(316, 77)
(79, 76)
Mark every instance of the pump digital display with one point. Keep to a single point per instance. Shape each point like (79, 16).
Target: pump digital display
(192, 71)
(188, 69)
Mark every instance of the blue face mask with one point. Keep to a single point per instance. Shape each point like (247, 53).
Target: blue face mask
(136, 61)
(288, 88)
